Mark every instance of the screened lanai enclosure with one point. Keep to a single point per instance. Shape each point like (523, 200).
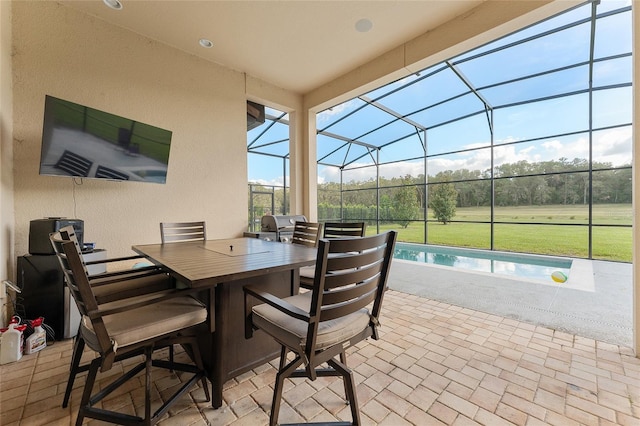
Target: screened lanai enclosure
(523, 144)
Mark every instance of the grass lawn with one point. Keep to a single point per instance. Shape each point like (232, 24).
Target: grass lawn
(609, 242)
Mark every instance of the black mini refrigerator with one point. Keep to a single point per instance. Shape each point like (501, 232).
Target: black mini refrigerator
(45, 295)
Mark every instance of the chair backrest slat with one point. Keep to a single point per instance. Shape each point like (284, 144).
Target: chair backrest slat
(350, 274)
(306, 233)
(344, 229)
(182, 231)
(342, 309)
(348, 293)
(336, 281)
(345, 245)
(355, 259)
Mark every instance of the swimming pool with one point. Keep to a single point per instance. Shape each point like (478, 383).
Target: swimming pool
(514, 264)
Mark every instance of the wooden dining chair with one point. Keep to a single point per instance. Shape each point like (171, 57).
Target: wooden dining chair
(318, 326)
(172, 232)
(119, 285)
(127, 327)
(332, 230)
(176, 232)
(306, 233)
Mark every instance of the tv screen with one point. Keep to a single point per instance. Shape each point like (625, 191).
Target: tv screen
(84, 142)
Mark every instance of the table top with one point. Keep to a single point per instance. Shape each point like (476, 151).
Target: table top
(206, 263)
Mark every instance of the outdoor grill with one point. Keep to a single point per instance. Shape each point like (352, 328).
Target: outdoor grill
(277, 227)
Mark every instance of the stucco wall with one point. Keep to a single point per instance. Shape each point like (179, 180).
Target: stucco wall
(6, 156)
(66, 54)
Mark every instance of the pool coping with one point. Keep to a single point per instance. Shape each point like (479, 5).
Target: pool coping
(595, 304)
(581, 276)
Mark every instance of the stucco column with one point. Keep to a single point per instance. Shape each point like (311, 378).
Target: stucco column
(296, 160)
(310, 167)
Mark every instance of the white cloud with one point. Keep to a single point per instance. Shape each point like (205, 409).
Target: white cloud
(343, 108)
(554, 145)
(402, 169)
(365, 171)
(272, 182)
(612, 146)
(478, 160)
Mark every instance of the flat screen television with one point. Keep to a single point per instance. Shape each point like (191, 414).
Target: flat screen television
(80, 141)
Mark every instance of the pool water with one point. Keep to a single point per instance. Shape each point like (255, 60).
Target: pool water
(513, 264)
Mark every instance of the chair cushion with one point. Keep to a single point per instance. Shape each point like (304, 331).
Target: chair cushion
(156, 319)
(293, 332)
(308, 272)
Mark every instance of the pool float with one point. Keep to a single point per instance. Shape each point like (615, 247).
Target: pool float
(559, 277)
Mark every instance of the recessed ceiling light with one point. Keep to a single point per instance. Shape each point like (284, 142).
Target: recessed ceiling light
(113, 4)
(364, 25)
(206, 43)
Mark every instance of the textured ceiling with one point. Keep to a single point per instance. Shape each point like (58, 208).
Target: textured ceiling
(296, 45)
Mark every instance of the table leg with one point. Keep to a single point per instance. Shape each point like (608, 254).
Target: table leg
(212, 309)
(229, 353)
(217, 379)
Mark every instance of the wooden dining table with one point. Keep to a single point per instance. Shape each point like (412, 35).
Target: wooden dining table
(221, 268)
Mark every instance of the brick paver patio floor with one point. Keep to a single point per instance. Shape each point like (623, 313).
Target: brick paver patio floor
(435, 364)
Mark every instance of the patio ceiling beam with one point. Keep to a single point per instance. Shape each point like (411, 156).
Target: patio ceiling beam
(392, 112)
(368, 153)
(331, 153)
(422, 76)
(278, 119)
(273, 122)
(348, 140)
(533, 37)
(270, 143)
(344, 117)
(348, 143)
(346, 154)
(467, 83)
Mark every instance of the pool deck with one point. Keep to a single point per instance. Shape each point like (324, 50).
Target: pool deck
(595, 302)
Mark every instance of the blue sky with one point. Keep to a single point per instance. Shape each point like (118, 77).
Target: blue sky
(511, 124)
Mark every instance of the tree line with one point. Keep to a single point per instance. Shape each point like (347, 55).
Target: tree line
(402, 199)
(521, 183)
